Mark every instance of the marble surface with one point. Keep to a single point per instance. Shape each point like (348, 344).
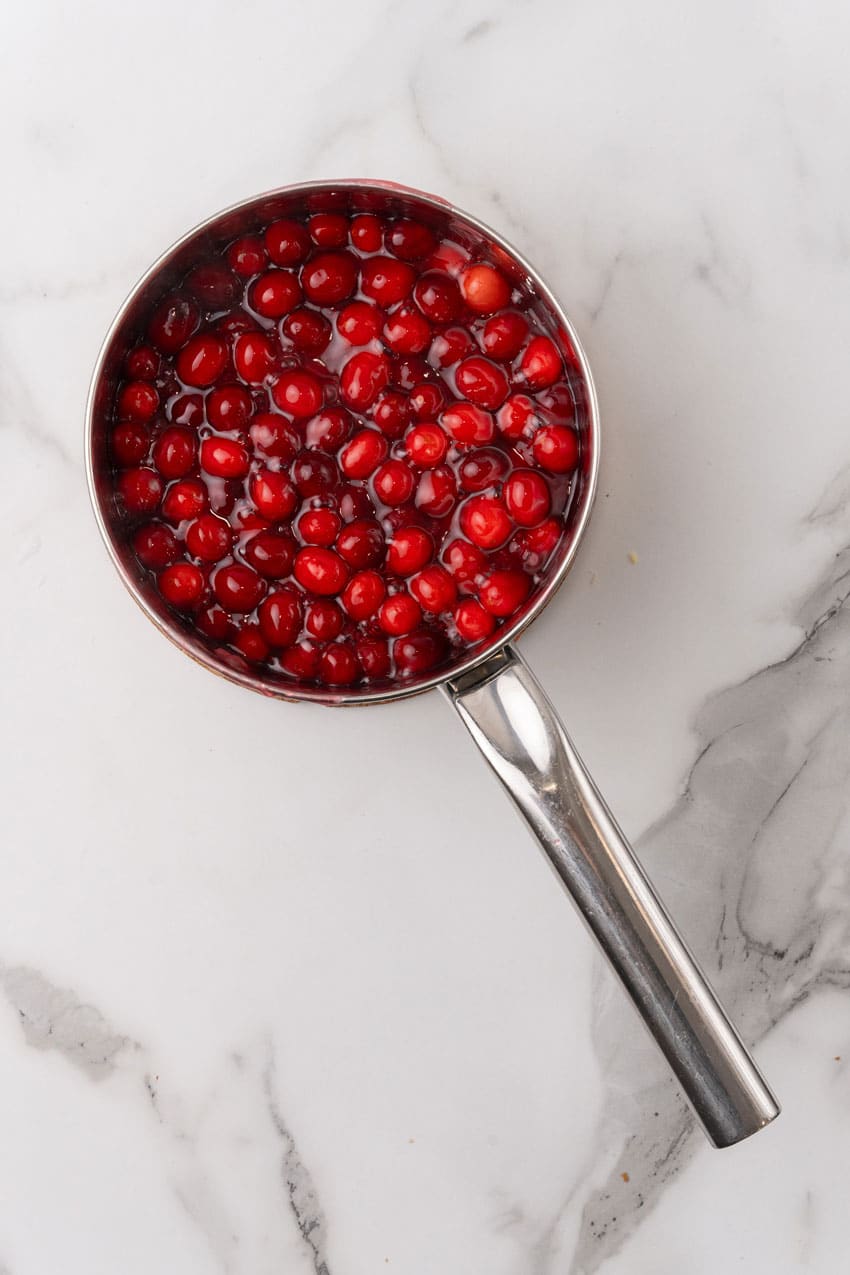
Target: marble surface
(289, 989)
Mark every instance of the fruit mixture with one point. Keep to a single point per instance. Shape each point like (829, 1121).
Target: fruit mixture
(344, 449)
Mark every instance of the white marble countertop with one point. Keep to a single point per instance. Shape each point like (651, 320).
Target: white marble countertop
(290, 990)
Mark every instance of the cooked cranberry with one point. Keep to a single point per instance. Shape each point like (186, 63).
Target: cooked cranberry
(363, 378)
(517, 416)
(362, 456)
(473, 622)
(328, 230)
(390, 413)
(215, 624)
(394, 482)
(467, 423)
(273, 494)
(482, 382)
(215, 285)
(329, 277)
(287, 242)
(464, 561)
(274, 435)
(410, 240)
(361, 543)
(247, 255)
(142, 364)
(298, 393)
(363, 594)
(308, 330)
(485, 521)
(449, 258)
(338, 665)
(527, 497)
(174, 452)
(366, 233)
(231, 324)
(436, 491)
(409, 550)
(255, 356)
(485, 289)
(280, 615)
(417, 653)
(249, 641)
(450, 346)
(184, 499)
(504, 592)
(202, 360)
(399, 614)
(224, 458)
(320, 571)
(540, 364)
(137, 401)
(359, 322)
(237, 588)
(407, 332)
(173, 322)
(229, 407)
(504, 334)
(181, 584)
(187, 409)
(314, 474)
(301, 660)
(427, 400)
(129, 443)
(483, 468)
(438, 297)
(209, 538)
(540, 541)
(156, 546)
(408, 371)
(434, 589)
(140, 489)
(556, 449)
(270, 554)
(329, 429)
(275, 293)
(319, 527)
(374, 657)
(386, 280)
(426, 446)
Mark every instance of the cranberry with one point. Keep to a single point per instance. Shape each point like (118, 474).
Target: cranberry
(484, 289)
(362, 456)
(280, 617)
(503, 335)
(467, 423)
(308, 330)
(426, 446)
(366, 234)
(287, 242)
(129, 443)
(474, 624)
(438, 297)
(527, 497)
(215, 624)
(209, 538)
(338, 665)
(436, 491)
(355, 502)
(386, 280)
(410, 240)
(409, 550)
(482, 382)
(517, 416)
(137, 401)
(426, 401)
(174, 452)
(156, 546)
(484, 468)
(274, 435)
(229, 407)
(247, 255)
(181, 584)
(142, 364)
(450, 346)
(324, 620)
(232, 324)
(417, 653)
(449, 258)
(540, 541)
(390, 412)
(314, 474)
(173, 322)
(140, 489)
(556, 449)
(374, 658)
(361, 543)
(298, 393)
(485, 521)
(464, 561)
(224, 458)
(202, 360)
(406, 332)
(187, 409)
(363, 594)
(363, 378)
(237, 588)
(359, 322)
(273, 494)
(254, 356)
(301, 661)
(319, 527)
(329, 429)
(394, 482)
(434, 589)
(504, 592)
(329, 277)
(320, 571)
(249, 641)
(275, 293)
(409, 370)
(184, 499)
(399, 614)
(270, 554)
(540, 364)
(215, 285)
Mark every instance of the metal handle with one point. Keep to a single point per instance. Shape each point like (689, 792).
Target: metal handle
(518, 731)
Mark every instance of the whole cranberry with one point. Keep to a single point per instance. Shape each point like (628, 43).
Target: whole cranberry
(329, 277)
(483, 468)
(142, 364)
(274, 435)
(209, 538)
(338, 665)
(517, 417)
(362, 456)
(249, 641)
(129, 443)
(224, 458)
(504, 592)
(274, 293)
(308, 330)
(436, 491)
(426, 445)
(485, 521)
(366, 233)
(417, 653)
(438, 296)
(280, 615)
(407, 332)
(373, 657)
(215, 624)
(140, 489)
(409, 550)
(386, 280)
(355, 502)
(187, 409)
(450, 346)
(527, 497)
(464, 561)
(319, 527)
(394, 482)
(328, 230)
(329, 430)
(214, 285)
(320, 571)
(156, 546)
(137, 401)
(482, 382)
(541, 363)
(254, 356)
(539, 542)
(359, 322)
(427, 400)
(184, 499)
(181, 584)
(390, 413)
(314, 473)
(363, 594)
(298, 393)
(362, 379)
(484, 288)
(399, 614)
(361, 543)
(301, 660)
(466, 423)
(408, 371)
(287, 242)
(202, 360)
(503, 335)
(229, 407)
(271, 554)
(434, 589)
(273, 494)
(410, 240)
(174, 452)
(474, 624)
(237, 588)
(247, 256)
(173, 322)
(556, 449)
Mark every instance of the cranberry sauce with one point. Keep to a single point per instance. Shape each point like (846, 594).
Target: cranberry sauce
(343, 450)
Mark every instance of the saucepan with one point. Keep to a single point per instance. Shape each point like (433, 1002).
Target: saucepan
(490, 686)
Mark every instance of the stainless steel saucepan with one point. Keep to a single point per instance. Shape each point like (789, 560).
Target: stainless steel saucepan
(492, 689)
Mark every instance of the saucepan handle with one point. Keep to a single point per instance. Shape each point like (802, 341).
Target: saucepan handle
(511, 720)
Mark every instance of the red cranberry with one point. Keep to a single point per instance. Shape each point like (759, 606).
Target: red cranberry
(363, 378)
(474, 624)
(399, 614)
(409, 550)
(298, 393)
(229, 407)
(232, 324)
(215, 624)
(556, 449)
(482, 382)
(329, 430)
(438, 297)
(540, 541)
(410, 240)
(467, 423)
(247, 255)
(209, 538)
(174, 452)
(366, 233)
(464, 561)
(448, 258)
(155, 546)
(187, 409)
(394, 482)
(517, 416)
(273, 494)
(406, 332)
(129, 443)
(137, 401)
(386, 280)
(417, 653)
(355, 502)
(140, 489)
(301, 661)
(142, 364)
(484, 289)
(314, 474)
(319, 527)
(249, 641)
(202, 360)
(224, 458)
(213, 284)
(504, 592)
(274, 435)
(541, 363)
(374, 658)
(360, 322)
(270, 554)
(237, 588)
(426, 446)
(434, 589)
(361, 543)
(427, 400)
(527, 497)
(338, 665)
(173, 322)
(274, 294)
(483, 468)
(436, 492)
(287, 242)
(280, 615)
(328, 230)
(181, 584)
(485, 521)
(409, 371)
(450, 347)
(185, 499)
(363, 594)
(320, 571)
(308, 330)
(390, 412)
(363, 454)
(330, 277)
(255, 356)
(503, 335)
